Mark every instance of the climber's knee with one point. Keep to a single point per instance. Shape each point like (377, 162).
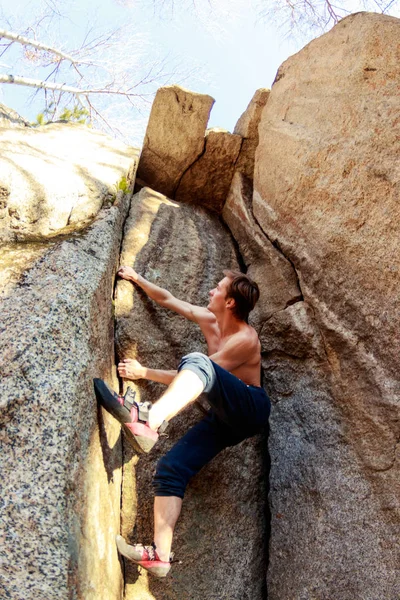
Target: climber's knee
(201, 365)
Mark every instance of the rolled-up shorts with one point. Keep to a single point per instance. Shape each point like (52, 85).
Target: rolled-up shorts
(238, 411)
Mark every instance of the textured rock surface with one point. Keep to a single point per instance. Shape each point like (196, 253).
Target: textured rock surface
(207, 181)
(265, 263)
(247, 128)
(274, 274)
(220, 536)
(61, 459)
(55, 179)
(327, 193)
(174, 137)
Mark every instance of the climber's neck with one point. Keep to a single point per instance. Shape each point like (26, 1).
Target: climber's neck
(228, 324)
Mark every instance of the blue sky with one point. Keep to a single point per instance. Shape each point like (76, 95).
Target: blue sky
(230, 49)
(235, 59)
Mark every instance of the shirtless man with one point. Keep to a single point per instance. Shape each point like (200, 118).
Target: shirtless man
(230, 376)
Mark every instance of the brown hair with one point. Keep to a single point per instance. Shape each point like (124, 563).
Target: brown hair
(244, 291)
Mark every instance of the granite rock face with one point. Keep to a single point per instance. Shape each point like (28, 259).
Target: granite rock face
(326, 193)
(207, 181)
(188, 163)
(174, 137)
(264, 262)
(247, 128)
(55, 178)
(61, 458)
(220, 536)
(318, 228)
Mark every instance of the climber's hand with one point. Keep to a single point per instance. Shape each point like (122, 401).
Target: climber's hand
(129, 368)
(128, 273)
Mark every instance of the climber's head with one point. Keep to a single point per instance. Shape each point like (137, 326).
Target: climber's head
(236, 292)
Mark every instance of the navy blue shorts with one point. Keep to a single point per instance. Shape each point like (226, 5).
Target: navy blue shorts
(238, 412)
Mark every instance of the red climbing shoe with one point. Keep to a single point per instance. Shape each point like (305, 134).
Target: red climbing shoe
(132, 415)
(145, 556)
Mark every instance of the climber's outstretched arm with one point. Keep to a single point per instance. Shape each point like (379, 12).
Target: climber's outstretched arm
(200, 315)
(129, 368)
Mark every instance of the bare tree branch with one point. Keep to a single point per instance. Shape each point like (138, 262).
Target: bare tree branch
(14, 37)
(36, 83)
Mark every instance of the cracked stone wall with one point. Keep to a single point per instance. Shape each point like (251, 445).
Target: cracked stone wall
(180, 157)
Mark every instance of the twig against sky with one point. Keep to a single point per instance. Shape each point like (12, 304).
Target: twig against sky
(109, 65)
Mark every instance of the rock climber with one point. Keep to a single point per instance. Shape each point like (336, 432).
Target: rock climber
(229, 376)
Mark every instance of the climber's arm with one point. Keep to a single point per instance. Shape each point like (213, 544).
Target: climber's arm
(200, 315)
(132, 369)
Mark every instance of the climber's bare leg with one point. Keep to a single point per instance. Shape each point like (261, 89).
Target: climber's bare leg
(166, 512)
(185, 388)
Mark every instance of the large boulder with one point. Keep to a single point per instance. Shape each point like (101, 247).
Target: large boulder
(326, 193)
(174, 137)
(61, 458)
(220, 537)
(55, 178)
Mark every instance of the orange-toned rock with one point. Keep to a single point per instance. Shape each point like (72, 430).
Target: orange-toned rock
(174, 137)
(207, 181)
(327, 193)
(247, 128)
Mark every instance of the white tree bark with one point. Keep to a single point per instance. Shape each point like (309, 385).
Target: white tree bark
(61, 87)
(14, 37)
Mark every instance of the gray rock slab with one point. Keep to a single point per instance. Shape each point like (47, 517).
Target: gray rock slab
(326, 517)
(61, 457)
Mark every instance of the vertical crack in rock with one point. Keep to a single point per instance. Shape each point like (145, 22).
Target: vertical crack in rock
(265, 451)
(276, 244)
(242, 263)
(238, 155)
(207, 181)
(189, 167)
(116, 358)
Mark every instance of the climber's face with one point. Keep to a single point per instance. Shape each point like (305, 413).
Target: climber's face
(218, 299)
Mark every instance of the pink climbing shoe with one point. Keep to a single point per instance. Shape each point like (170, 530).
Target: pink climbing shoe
(132, 415)
(145, 556)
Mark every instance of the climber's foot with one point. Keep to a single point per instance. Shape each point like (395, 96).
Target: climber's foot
(145, 556)
(132, 415)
